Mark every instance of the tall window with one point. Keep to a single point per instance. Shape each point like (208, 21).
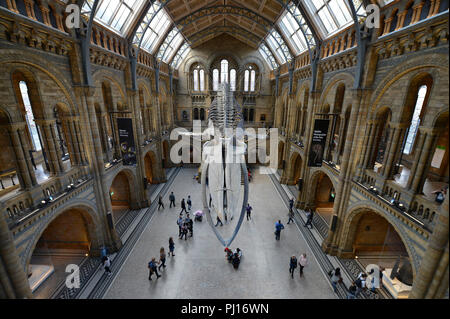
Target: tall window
(233, 80)
(29, 117)
(224, 71)
(415, 122)
(199, 79)
(196, 86)
(215, 80)
(292, 31)
(158, 27)
(249, 79)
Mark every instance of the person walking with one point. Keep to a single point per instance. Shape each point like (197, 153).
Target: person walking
(278, 228)
(218, 222)
(171, 247)
(291, 204)
(291, 217)
(153, 269)
(309, 219)
(292, 265)
(249, 211)
(162, 258)
(210, 200)
(180, 225)
(190, 225)
(189, 203)
(302, 262)
(184, 231)
(183, 206)
(352, 291)
(160, 202)
(107, 265)
(172, 200)
(360, 283)
(335, 278)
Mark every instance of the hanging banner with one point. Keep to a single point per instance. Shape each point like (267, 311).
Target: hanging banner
(319, 139)
(126, 141)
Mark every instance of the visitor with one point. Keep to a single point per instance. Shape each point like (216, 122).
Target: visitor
(278, 228)
(172, 200)
(153, 269)
(352, 291)
(210, 200)
(190, 225)
(180, 224)
(160, 202)
(236, 260)
(440, 196)
(107, 265)
(171, 247)
(302, 262)
(184, 231)
(292, 265)
(189, 203)
(291, 217)
(228, 254)
(360, 283)
(309, 219)
(183, 206)
(249, 211)
(335, 278)
(162, 258)
(291, 204)
(218, 222)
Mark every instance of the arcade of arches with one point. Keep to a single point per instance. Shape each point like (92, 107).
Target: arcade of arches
(86, 140)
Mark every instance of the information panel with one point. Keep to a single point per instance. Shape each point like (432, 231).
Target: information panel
(126, 140)
(319, 139)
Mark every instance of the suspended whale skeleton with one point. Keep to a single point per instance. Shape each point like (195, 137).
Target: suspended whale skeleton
(223, 161)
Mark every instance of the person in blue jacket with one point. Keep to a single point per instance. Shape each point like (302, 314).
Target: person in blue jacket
(278, 227)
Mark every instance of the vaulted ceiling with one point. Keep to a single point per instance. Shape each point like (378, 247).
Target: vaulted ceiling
(247, 20)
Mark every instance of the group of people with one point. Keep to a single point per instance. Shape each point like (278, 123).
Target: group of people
(172, 203)
(363, 282)
(185, 226)
(301, 262)
(233, 257)
(154, 265)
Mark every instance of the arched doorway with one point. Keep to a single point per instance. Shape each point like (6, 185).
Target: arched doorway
(120, 196)
(280, 155)
(68, 239)
(373, 240)
(150, 166)
(322, 198)
(296, 166)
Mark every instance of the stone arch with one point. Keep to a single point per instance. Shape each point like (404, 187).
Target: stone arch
(89, 215)
(296, 164)
(254, 60)
(351, 221)
(150, 163)
(195, 59)
(165, 153)
(124, 185)
(332, 84)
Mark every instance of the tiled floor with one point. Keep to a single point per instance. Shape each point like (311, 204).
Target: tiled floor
(199, 269)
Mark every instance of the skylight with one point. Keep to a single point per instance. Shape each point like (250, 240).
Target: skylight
(117, 14)
(267, 55)
(331, 15)
(293, 33)
(170, 45)
(180, 56)
(277, 45)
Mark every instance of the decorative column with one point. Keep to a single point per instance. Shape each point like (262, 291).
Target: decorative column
(423, 161)
(11, 262)
(433, 255)
(394, 146)
(55, 163)
(25, 169)
(74, 141)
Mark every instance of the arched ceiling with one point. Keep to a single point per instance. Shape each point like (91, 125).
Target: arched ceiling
(225, 16)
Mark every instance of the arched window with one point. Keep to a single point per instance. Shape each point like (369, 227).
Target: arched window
(29, 117)
(246, 80)
(202, 80)
(224, 71)
(415, 122)
(215, 80)
(195, 114)
(196, 86)
(202, 114)
(252, 80)
(233, 80)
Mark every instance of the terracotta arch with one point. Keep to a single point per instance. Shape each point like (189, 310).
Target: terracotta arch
(296, 165)
(350, 227)
(150, 163)
(92, 227)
